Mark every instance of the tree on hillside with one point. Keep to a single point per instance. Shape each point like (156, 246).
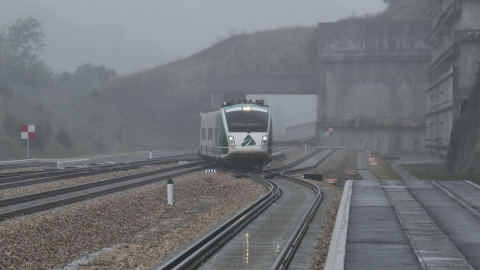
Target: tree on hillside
(85, 77)
(64, 138)
(43, 133)
(463, 152)
(20, 66)
(390, 2)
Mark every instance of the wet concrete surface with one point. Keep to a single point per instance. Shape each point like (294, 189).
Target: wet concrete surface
(409, 224)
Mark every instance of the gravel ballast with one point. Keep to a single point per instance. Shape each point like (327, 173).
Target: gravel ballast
(140, 222)
(136, 229)
(26, 190)
(338, 165)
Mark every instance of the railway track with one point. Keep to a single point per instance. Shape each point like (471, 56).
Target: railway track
(211, 242)
(295, 137)
(300, 199)
(307, 162)
(286, 256)
(20, 179)
(23, 165)
(32, 203)
(289, 135)
(49, 199)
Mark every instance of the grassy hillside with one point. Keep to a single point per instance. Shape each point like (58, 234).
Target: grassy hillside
(166, 100)
(278, 50)
(51, 129)
(157, 108)
(154, 109)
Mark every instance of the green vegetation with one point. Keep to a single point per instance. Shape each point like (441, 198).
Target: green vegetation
(29, 90)
(380, 168)
(85, 77)
(437, 172)
(20, 67)
(92, 111)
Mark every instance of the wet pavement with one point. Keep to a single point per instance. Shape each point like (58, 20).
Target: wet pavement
(409, 224)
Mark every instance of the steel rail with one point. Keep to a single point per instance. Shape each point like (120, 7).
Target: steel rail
(294, 163)
(11, 177)
(293, 132)
(198, 252)
(310, 167)
(12, 174)
(23, 165)
(29, 210)
(288, 252)
(88, 185)
(44, 177)
(50, 176)
(91, 166)
(82, 197)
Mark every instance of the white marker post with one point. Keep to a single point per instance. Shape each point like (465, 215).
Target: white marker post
(170, 191)
(27, 132)
(151, 154)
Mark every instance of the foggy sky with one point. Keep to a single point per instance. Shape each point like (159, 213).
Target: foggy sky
(131, 35)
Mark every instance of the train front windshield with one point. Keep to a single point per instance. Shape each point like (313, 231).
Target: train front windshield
(252, 120)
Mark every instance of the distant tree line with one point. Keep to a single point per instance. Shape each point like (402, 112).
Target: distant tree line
(20, 66)
(85, 77)
(22, 69)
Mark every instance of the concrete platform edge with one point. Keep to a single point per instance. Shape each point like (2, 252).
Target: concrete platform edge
(338, 243)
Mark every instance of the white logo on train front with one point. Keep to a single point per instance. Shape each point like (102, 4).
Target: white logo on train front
(248, 141)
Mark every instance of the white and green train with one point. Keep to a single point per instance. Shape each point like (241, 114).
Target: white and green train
(238, 133)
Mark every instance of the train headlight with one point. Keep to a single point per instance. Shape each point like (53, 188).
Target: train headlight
(264, 139)
(231, 140)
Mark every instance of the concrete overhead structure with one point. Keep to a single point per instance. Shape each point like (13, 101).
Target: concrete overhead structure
(455, 40)
(371, 82)
(238, 84)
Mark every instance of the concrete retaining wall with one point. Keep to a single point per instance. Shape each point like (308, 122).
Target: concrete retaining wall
(375, 71)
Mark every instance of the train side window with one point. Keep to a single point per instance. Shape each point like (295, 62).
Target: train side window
(217, 134)
(210, 133)
(204, 133)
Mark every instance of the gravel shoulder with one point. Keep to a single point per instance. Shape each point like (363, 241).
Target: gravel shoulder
(339, 165)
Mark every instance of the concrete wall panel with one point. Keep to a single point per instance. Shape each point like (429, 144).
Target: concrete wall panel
(371, 84)
(375, 90)
(470, 18)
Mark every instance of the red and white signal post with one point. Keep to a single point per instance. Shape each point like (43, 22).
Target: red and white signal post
(28, 133)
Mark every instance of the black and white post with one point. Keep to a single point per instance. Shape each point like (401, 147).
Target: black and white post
(170, 191)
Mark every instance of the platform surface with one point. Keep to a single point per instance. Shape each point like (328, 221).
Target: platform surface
(389, 225)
